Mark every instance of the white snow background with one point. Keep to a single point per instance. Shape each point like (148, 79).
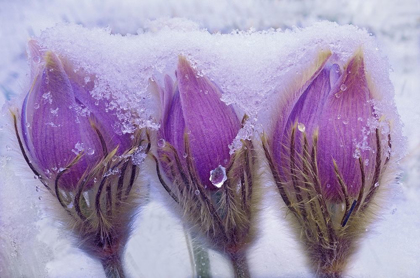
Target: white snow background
(35, 245)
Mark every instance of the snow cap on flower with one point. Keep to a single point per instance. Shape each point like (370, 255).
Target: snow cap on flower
(193, 108)
(329, 122)
(60, 121)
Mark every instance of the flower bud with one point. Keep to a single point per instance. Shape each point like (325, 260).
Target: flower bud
(335, 110)
(60, 121)
(68, 140)
(193, 107)
(328, 154)
(213, 188)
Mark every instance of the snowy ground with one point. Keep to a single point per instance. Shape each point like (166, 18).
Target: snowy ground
(37, 248)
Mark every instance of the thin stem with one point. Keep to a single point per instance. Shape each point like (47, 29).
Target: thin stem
(330, 275)
(201, 260)
(113, 267)
(199, 257)
(240, 265)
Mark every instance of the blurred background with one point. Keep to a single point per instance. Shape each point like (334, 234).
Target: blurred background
(391, 251)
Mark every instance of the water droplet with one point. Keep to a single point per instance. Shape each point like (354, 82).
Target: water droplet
(1, 127)
(376, 184)
(338, 117)
(360, 119)
(394, 211)
(36, 59)
(90, 151)
(301, 127)
(197, 192)
(36, 177)
(346, 122)
(218, 176)
(337, 95)
(8, 148)
(366, 162)
(185, 155)
(328, 185)
(36, 105)
(161, 143)
(28, 125)
(343, 87)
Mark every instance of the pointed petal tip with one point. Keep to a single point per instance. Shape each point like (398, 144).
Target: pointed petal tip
(356, 62)
(51, 60)
(182, 61)
(34, 49)
(184, 70)
(322, 57)
(318, 64)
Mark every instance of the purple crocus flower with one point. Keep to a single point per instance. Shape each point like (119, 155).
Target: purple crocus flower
(61, 122)
(213, 188)
(68, 140)
(328, 153)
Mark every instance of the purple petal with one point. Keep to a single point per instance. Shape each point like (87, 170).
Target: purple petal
(174, 127)
(82, 84)
(166, 95)
(211, 124)
(172, 123)
(341, 126)
(305, 110)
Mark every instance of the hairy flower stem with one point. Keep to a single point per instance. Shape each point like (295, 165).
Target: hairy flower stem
(199, 257)
(113, 267)
(240, 264)
(201, 260)
(331, 275)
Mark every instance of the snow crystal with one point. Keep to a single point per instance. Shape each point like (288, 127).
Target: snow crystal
(252, 68)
